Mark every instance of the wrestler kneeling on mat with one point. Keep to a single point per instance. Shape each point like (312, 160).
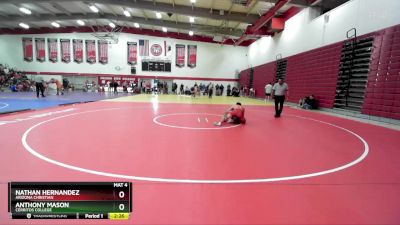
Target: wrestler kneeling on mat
(234, 115)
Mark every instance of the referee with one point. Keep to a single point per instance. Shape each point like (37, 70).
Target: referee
(39, 86)
(279, 91)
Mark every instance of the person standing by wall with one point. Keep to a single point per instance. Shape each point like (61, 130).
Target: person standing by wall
(115, 87)
(210, 90)
(268, 91)
(279, 93)
(181, 91)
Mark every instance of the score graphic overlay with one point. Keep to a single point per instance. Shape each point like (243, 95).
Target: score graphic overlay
(70, 200)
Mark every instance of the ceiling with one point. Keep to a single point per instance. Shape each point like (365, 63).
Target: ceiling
(228, 19)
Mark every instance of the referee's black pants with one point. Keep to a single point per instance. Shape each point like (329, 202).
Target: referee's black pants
(279, 100)
(39, 88)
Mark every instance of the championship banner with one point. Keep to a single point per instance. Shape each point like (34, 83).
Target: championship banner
(90, 51)
(78, 50)
(192, 55)
(40, 49)
(103, 51)
(132, 53)
(180, 55)
(65, 50)
(28, 49)
(53, 49)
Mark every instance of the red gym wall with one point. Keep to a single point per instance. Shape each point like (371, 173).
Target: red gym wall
(265, 74)
(244, 78)
(316, 72)
(262, 75)
(382, 96)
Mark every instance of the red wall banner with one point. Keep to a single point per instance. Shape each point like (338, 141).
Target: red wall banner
(103, 51)
(53, 49)
(180, 55)
(192, 55)
(90, 51)
(78, 50)
(132, 53)
(40, 49)
(28, 49)
(65, 50)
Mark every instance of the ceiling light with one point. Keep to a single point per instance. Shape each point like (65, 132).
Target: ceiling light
(80, 22)
(136, 25)
(191, 33)
(158, 15)
(164, 29)
(54, 24)
(94, 8)
(191, 19)
(193, 1)
(24, 25)
(25, 10)
(126, 13)
(112, 25)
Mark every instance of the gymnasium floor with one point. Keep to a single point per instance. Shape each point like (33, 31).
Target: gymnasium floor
(303, 168)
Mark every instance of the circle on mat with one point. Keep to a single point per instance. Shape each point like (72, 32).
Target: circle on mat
(198, 181)
(191, 121)
(3, 105)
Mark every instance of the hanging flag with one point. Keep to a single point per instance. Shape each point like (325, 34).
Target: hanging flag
(103, 51)
(78, 50)
(28, 49)
(165, 48)
(40, 49)
(90, 51)
(192, 55)
(168, 49)
(53, 49)
(144, 47)
(180, 55)
(65, 50)
(132, 53)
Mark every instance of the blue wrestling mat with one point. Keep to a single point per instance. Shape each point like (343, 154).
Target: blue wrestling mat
(21, 101)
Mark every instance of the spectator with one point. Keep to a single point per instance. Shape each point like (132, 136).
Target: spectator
(210, 90)
(14, 79)
(268, 91)
(174, 88)
(65, 84)
(235, 92)
(116, 87)
(245, 91)
(252, 93)
(308, 102)
(217, 90)
(228, 90)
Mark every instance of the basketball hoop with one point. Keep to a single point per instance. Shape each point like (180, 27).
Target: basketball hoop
(104, 33)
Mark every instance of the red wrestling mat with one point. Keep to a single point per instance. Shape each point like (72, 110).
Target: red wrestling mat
(303, 168)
